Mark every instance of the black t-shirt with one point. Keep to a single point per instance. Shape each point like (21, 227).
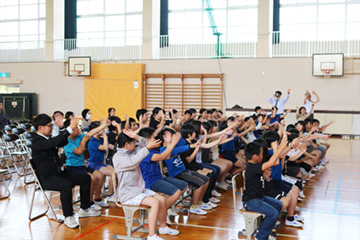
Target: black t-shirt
(112, 140)
(254, 182)
(205, 155)
(154, 123)
(193, 165)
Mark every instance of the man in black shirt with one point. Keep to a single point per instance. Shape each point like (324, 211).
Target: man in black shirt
(4, 120)
(52, 174)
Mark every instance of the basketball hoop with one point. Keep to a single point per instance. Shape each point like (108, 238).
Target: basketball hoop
(75, 73)
(327, 73)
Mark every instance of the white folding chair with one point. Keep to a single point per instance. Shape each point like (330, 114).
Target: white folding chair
(2, 172)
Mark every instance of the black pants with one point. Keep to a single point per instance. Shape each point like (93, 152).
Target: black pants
(208, 194)
(64, 184)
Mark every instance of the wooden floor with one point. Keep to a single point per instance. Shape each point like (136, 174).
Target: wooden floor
(331, 209)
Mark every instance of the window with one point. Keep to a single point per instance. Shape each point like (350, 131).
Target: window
(192, 21)
(22, 24)
(109, 22)
(319, 20)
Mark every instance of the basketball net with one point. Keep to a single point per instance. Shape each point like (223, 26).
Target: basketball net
(75, 73)
(327, 73)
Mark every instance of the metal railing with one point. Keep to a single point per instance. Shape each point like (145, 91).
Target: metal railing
(98, 49)
(167, 47)
(307, 48)
(22, 51)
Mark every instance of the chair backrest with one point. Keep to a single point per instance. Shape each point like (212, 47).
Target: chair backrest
(10, 137)
(30, 135)
(18, 131)
(237, 187)
(26, 126)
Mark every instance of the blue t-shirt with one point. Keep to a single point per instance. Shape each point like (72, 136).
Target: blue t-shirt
(150, 170)
(96, 155)
(72, 159)
(275, 119)
(276, 171)
(174, 165)
(229, 146)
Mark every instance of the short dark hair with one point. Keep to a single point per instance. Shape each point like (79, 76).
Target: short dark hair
(146, 132)
(207, 126)
(213, 123)
(270, 136)
(220, 112)
(67, 123)
(257, 108)
(278, 92)
(275, 108)
(188, 112)
(41, 120)
(302, 123)
(264, 146)
(131, 120)
(252, 149)
(162, 132)
(202, 110)
(84, 112)
(231, 118)
(302, 108)
(193, 110)
(116, 119)
(222, 125)
(140, 112)
(289, 127)
(93, 125)
(187, 130)
(174, 111)
(123, 139)
(68, 114)
(308, 120)
(197, 125)
(315, 121)
(62, 114)
(156, 110)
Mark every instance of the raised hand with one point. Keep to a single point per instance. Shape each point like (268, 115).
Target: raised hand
(153, 143)
(176, 138)
(130, 133)
(74, 123)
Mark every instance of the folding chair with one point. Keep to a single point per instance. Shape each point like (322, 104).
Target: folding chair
(129, 217)
(4, 157)
(2, 171)
(253, 220)
(15, 148)
(38, 187)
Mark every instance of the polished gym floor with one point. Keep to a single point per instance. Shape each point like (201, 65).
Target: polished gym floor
(331, 209)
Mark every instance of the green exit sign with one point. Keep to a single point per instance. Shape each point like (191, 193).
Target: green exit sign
(4, 74)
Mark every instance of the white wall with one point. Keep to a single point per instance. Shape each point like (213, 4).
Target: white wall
(247, 82)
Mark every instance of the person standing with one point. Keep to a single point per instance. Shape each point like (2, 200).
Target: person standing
(279, 102)
(4, 119)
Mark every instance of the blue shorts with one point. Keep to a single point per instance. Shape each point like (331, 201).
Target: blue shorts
(80, 169)
(96, 165)
(168, 185)
(229, 155)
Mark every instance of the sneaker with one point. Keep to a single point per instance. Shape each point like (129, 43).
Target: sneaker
(298, 218)
(212, 205)
(300, 199)
(215, 193)
(214, 200)
(326, 160)
(71, 222)
(293, 223)
(297, 209)
(167, 230)
(311, 175)
(172, 212)
(197, 211)
(270, 238)
(154, 237)
(205, 206)
(101, 204)
(88, 213)
(321, 167)
(315, 169)
(95, 207)
(222, 186)
(301, 194)
(110, 199)
(228, 181)
(322, 163)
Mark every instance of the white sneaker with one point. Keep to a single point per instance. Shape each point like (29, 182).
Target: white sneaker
(297, 209)
(298, 218)
(222, 186)
(214, 200)
(212, 205)
(300, 199)
(326, 160)
(88, 213)
(95, 207)
(171, 212)
(215, 193)
(154, 237)
(315, 169)
(301, 194)
(71, 222)
(167, 230)
(228, 181)
(205, 206)
(101, 204)
(322, 163)
(197, 211)
(110, 199)
(293, 223)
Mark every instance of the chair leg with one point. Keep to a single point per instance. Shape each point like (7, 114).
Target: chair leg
(26, 174)
(252, 223)
(7, 187)
(129, 220)
(32, 204)
(48, 200)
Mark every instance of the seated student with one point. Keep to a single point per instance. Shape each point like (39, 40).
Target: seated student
(86, 114)
(316, 124)
(157, 118)
(58, 121)
(52, 174)
(97, 148)
(114, 131)
(193, 113)
(142, 117)
(288, 200)
(174, 115)
(176, 169)
(254, 198)
(131, 185)
(319, 147)
(151, 172)
(203, 115)
(131, 123)
(187, 117)
(301, 113)
(189, 159)
(75, 162)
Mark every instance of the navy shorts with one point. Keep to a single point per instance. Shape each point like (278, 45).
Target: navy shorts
(282, 186)
(229, 155)
(80, 169)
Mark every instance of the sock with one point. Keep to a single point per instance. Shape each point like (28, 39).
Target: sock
(290, 218)
(110, 195)
(98, 200)
(152, 237)
(194, 206)
(200, 203)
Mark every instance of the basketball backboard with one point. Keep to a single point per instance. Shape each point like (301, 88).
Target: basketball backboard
(79, 66)
(328, 64)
